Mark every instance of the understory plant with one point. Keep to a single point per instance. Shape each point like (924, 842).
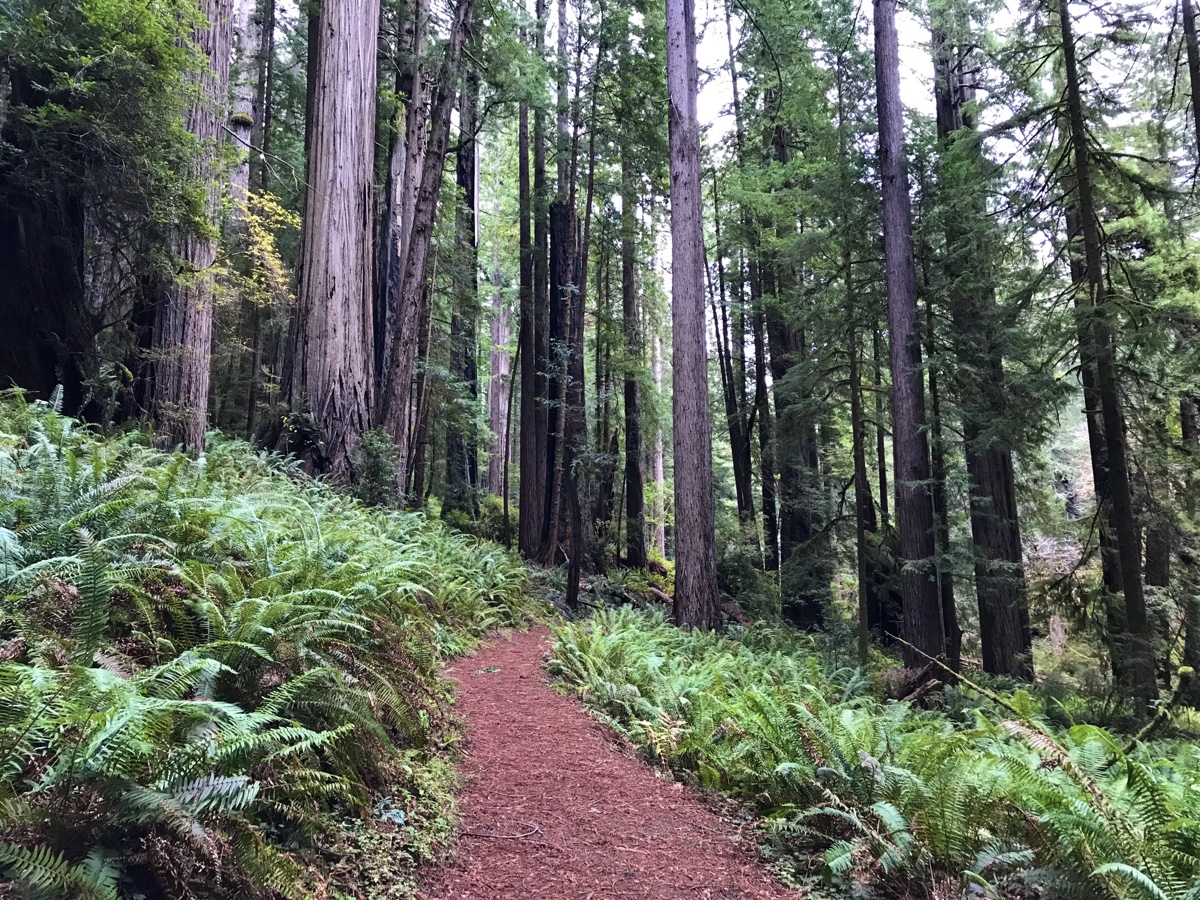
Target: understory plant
(206, 663)
(979, 799)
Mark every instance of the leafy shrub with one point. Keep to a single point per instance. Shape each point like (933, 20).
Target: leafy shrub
(984, 799)
(205, 662)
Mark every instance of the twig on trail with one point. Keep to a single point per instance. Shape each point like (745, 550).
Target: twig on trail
(512, 837)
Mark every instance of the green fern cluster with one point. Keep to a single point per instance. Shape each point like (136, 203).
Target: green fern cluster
(202, 660)
(987, 800)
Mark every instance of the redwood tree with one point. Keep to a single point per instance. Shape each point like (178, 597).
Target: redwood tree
(180, 355)
(331, 373)
(923, 629)
(695, 528)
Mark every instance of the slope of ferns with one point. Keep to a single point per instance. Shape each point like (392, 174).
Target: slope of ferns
(205, 662)
(978, 800)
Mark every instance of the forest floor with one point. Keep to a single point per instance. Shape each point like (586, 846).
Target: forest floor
(555, 807)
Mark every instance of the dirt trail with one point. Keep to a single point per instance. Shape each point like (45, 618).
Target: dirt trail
(553, 808)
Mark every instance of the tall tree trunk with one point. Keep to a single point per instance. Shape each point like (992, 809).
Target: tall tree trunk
(864, 506)
(397, 394)
(532, 487)
(923, 628)
(731, 353)
(695, 604)
(941, 506)
(1140, 654)
(330, 357)
(543, 360)
(500, 385)
(1000, 583)
(252, 20)
(406, 162)
(635, 492)
(181, 350)
(461, 438)
(418, 463)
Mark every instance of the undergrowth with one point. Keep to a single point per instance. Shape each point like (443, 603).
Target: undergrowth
(883, 799)
(210, 667)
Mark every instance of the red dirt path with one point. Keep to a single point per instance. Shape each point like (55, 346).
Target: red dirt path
(554, 809)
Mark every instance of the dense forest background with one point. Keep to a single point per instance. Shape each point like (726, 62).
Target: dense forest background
(905, 360)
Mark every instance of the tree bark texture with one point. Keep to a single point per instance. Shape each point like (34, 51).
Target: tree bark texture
(397, 393)
(923, 628)
(181, 350)
(695, 604)
(332, 375)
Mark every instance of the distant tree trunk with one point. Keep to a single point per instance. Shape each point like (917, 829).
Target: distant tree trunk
(1140, 653)
(695, 604)
(762, 405)
(660, 506)
(500, 385)
(941, 506)
(995, 528)
(413, 488)
(532, 486)
(864, 506)
(881, 469)
(181, 349)
(397, 394)
(406, 160)
(635, 492)
(461, 443)
(248, 24)
(923, 628)
(731, 355)
(543, 362)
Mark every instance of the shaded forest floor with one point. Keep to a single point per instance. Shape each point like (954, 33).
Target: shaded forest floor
(554, 808)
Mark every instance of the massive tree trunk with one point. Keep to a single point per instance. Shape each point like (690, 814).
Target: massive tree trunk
(923, 628)
(462, 473)
(332, 342)
(695, 603)
(397, 393)
(995, 528)
(635, 492)
(1139, 653)
(181, 351)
